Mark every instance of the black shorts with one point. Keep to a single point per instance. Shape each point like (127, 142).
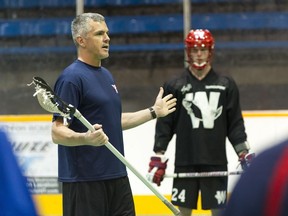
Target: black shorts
(98, 198)
(213, 189)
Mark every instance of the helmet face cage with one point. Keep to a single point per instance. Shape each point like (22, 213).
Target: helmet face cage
(199, 38)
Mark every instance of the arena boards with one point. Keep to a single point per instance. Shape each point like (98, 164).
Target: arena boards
(30, 136)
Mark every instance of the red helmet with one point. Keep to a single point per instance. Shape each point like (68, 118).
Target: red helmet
(199, 38)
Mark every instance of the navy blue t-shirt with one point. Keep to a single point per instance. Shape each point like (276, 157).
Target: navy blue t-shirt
(93, 92)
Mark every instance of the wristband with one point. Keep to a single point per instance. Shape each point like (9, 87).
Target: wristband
(152, 112)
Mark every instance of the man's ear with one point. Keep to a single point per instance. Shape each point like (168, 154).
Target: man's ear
(81, 41)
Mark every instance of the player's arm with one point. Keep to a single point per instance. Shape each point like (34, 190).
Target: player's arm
(63, 135)
(241, 148)
(158, 162)
(163, 106)
(236, 130)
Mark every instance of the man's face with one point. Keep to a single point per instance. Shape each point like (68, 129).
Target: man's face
(97, 40)
(199, 56)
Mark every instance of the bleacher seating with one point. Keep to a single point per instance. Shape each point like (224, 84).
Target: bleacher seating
(34, 27)
(139, 24)
(145, 47)
(148, 23)
(71, 3)
(97, 3)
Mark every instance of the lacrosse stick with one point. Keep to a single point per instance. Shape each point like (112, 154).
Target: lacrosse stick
(50, 102)
(202, 174)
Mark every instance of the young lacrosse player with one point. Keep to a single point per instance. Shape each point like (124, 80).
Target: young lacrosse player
(95, 182)
(207, 112)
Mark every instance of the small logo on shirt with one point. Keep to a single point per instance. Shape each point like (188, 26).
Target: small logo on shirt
(114, 86)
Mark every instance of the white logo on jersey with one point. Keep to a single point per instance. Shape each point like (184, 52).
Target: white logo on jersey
(220, 196)
(200, 108)
(186, 88)
(208, 110)
(114, 86)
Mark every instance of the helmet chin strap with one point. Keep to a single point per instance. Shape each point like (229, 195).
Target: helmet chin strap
(199, 66)
(199, 70)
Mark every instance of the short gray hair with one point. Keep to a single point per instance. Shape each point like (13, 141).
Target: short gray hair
(80, 27)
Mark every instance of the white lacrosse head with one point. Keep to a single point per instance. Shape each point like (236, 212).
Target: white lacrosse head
(47, 98)
(44, 99)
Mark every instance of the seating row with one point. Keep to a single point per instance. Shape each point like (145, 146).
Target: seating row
(146, 47)
(92, 3)
(148, 23)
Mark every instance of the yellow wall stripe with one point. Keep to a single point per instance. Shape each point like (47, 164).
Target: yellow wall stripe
(48, 204)
(280, 113)
(51, 205)
(25, 118)
(45, 117)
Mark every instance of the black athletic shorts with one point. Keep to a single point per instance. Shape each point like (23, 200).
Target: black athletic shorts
(98, 198)
(213, 189)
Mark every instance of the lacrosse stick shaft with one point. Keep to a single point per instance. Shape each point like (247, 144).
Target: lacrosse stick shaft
(176, 211)
(202, 174)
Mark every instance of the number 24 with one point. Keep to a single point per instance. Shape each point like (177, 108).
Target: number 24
(176, 195)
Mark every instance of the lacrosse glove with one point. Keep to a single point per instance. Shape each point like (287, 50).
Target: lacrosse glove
(157, 167)
(245, 159)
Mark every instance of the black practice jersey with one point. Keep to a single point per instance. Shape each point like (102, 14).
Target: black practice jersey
(207, 112)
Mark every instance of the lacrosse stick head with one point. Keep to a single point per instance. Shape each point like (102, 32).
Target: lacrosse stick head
(48, 100)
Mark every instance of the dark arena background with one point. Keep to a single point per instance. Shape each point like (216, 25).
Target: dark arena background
(146, 47)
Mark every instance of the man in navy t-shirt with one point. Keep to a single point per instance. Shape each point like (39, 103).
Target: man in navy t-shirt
(95, 182)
